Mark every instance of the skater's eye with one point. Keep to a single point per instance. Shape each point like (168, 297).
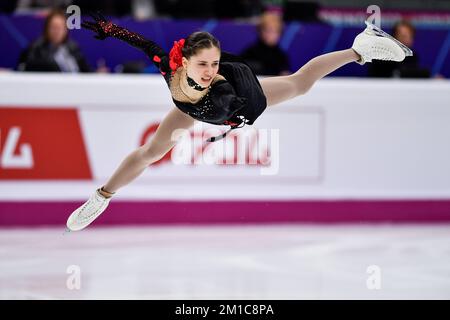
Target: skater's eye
(215, 64)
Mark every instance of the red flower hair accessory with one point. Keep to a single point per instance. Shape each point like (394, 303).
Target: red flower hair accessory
(176, 55)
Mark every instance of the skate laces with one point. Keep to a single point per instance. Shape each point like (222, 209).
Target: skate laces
(376, 48)
(85, 211)
(382, 53)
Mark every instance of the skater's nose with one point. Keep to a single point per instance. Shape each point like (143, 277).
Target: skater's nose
(210, 71)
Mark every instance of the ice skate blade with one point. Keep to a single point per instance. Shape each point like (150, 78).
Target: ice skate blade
(408, 52)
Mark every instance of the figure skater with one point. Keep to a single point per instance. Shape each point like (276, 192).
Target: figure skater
(216, 87)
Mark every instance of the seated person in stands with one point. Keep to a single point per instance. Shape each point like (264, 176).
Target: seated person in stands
(54, 51)
(404, 32)
(266, 57)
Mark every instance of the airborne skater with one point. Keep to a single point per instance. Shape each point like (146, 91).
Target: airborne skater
(213, 86)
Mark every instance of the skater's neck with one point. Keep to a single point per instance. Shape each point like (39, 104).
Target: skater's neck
(190, 90)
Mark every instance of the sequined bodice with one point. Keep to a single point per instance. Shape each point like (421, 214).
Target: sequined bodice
(219, 104)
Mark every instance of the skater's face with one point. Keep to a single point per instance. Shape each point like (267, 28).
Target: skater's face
(203, 66)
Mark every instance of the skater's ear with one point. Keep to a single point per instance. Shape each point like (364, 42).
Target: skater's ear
(185, 62)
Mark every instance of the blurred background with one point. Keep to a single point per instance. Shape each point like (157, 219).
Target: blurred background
(343, 193)
(265, 28)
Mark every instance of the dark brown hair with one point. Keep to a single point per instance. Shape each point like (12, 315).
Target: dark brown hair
(197, 41)
(52, 14)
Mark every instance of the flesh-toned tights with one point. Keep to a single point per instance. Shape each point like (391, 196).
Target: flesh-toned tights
(276, 89)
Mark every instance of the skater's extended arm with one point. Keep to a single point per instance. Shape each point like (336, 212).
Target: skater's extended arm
(105, 29)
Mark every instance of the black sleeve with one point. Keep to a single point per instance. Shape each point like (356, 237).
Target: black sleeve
(158, 56)
(106, 29)
(223, 96)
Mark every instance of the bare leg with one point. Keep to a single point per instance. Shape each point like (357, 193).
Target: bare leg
(279, 89)
(137, 161)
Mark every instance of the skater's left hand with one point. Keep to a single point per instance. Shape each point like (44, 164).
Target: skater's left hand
(100, 26)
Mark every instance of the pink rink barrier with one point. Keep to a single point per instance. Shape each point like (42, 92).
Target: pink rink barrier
(217, 212)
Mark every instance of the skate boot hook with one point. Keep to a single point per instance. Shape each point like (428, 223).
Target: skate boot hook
(377, 31)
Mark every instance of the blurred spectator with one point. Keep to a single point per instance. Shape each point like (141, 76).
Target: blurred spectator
(404, 32)
(265, 56)
(53, 52)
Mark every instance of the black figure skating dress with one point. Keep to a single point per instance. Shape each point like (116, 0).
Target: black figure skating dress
(235, 96)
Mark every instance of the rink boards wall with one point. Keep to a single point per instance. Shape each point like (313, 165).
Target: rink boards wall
(350, 150)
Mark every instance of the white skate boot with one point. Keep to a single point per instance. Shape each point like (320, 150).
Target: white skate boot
(374, 43)
(88, 212)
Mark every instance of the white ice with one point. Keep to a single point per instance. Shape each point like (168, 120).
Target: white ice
(228, 262)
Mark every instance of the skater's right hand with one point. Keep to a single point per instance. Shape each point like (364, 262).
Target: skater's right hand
(101, 27)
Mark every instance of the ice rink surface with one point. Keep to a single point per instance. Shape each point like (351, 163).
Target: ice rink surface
(227, 262)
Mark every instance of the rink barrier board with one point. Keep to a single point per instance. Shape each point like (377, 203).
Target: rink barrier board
(17, 214)
(351, 145)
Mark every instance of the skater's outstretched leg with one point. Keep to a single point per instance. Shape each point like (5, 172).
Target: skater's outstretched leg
(370, 44)
(131, 167)
(279, 89)
(137, 161)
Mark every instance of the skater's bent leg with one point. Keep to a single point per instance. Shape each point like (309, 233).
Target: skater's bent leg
(279, 89)
(137, 161)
